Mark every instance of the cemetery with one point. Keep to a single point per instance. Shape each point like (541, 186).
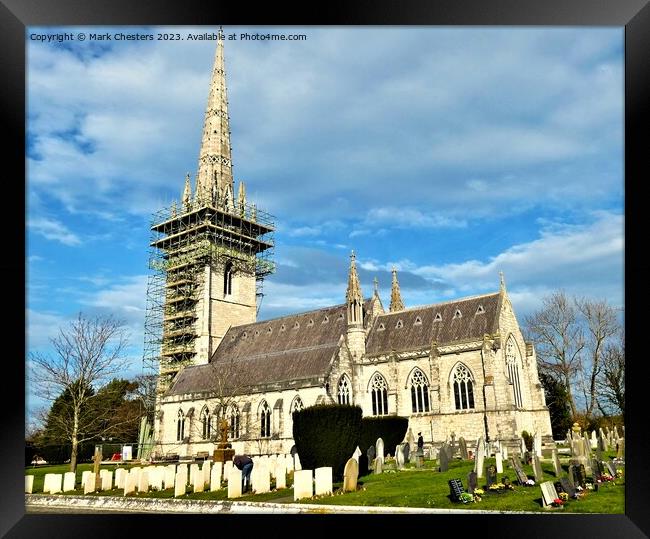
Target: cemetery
(566, 477)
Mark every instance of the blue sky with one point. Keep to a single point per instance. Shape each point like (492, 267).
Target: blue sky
(452, 153)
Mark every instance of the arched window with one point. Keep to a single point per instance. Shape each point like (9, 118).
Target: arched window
(463, 388)
(419, 392)
(512, 361)
(206, 426)
(233, 419)
(227, 279)
(265, 420)
(379, 393)
(296, 405)
(344, 390)
(180, 426)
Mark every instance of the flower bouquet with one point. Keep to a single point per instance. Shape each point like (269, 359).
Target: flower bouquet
(466, 497)
(557, 502)
(478, 492)
(563, 496)
(530, 483)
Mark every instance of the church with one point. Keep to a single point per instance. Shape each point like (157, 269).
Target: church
(454, 368)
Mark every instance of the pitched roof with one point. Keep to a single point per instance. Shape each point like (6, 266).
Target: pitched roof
(292, 348)
(418, 327)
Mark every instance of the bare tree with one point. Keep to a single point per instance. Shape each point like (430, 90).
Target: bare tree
(558, 336)
(86, 354)
(600, 326)
(611, 382)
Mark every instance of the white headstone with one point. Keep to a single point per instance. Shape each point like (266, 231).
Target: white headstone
(303, 484)
(56, 483)
(69, 479)
(505, 452)
(288, 461)
(84, 475)
(46, 483)
(280, 476)
(399, 456)
(478, 459)
(156, 476)
(538, 443)
(296, 463)
(356, 454)
(499, 462)
(119, 477)
(379, 448)
(227, 467)
(107, 480)
(89, 483)
(262, 479)
(323, 478)
(379, 465)
(548, 493)
(194, 473)
(29, 484)
(136, 471)
(143, 481)
(234, 482)
(215, 476)
(180, 483)
(169, 475)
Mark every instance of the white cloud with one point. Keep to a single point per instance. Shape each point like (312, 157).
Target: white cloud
(52, 229)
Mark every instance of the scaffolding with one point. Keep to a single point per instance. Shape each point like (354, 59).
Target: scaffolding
(183, 244)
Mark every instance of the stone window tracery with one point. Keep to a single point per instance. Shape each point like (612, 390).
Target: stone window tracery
(379, 393)
(344, 391)
(463, 388)
(419, 392)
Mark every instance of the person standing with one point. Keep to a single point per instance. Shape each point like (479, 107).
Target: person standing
(245, 464)
(420, 442)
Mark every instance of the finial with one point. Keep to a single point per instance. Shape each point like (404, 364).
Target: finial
(502, 283)
(376, 283)
(352, 257)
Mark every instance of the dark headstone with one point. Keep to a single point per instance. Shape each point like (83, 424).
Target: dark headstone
(472, 482)
(455, 489)
(596, 467)
(363, 465)
(462, 444)
(567, 487)
(491, 475)
(294, 450)
(371, 453)
(443, 458)
(611, 467)
(579, 475)
(407, 451)
(516, 465)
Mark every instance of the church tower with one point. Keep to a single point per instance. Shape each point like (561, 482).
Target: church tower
(210, 252)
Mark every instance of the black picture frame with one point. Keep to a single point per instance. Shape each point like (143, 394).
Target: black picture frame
(634, 15)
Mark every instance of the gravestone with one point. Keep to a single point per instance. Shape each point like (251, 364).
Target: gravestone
(29, 484)
(399, 457)
(596, 467)
(548, 493)
(567, 487)
(599, 453)
(56, 482)
(296, 462)
(350, 475)
(505, 452)
(119, 477)
(379, 465)
(557, 467)
(198, 485)
(303, 484)
(280, 476)
(379, 448)
(620, 451)
(537, 468)
(579, 475)
(323, 480)
(356, 454)
(262, 479)
(234, 482)
(593, 442)
(410, 441)
(472, 482)
(215, 476)
(406, 450)
(107, 479)
(538, 443)
(143, 481)
(499, 462)
(371, 454)
(478, 460)
(516, 466)
(89, 484)
(455, 489)
(491, 475)
(462, 445)
(444, 460)
(68, 481)
(611, 468)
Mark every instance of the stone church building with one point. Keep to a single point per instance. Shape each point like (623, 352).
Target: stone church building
(454, 368)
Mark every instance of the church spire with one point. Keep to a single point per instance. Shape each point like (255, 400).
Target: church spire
(502, 282)
(214, 176)
(353, 295)
(396, 303)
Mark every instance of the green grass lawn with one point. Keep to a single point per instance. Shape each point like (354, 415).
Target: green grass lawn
(411, 487)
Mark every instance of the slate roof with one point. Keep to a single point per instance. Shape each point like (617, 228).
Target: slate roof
(298, 349)
(386, 336)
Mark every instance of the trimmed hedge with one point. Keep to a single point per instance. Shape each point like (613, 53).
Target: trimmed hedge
(327, 435)
(391, 429)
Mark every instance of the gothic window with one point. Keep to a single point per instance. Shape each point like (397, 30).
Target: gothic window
(234, 421)
(418, 321)
(227, 279)
(399, 324)
(512, 361)
(344, 390)
(180, 426)
(265, 420)
(379, 393)
(438, 318)
(419, 392)
(205, 423)
(297, 405)
(458, 314)
(463, 388)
